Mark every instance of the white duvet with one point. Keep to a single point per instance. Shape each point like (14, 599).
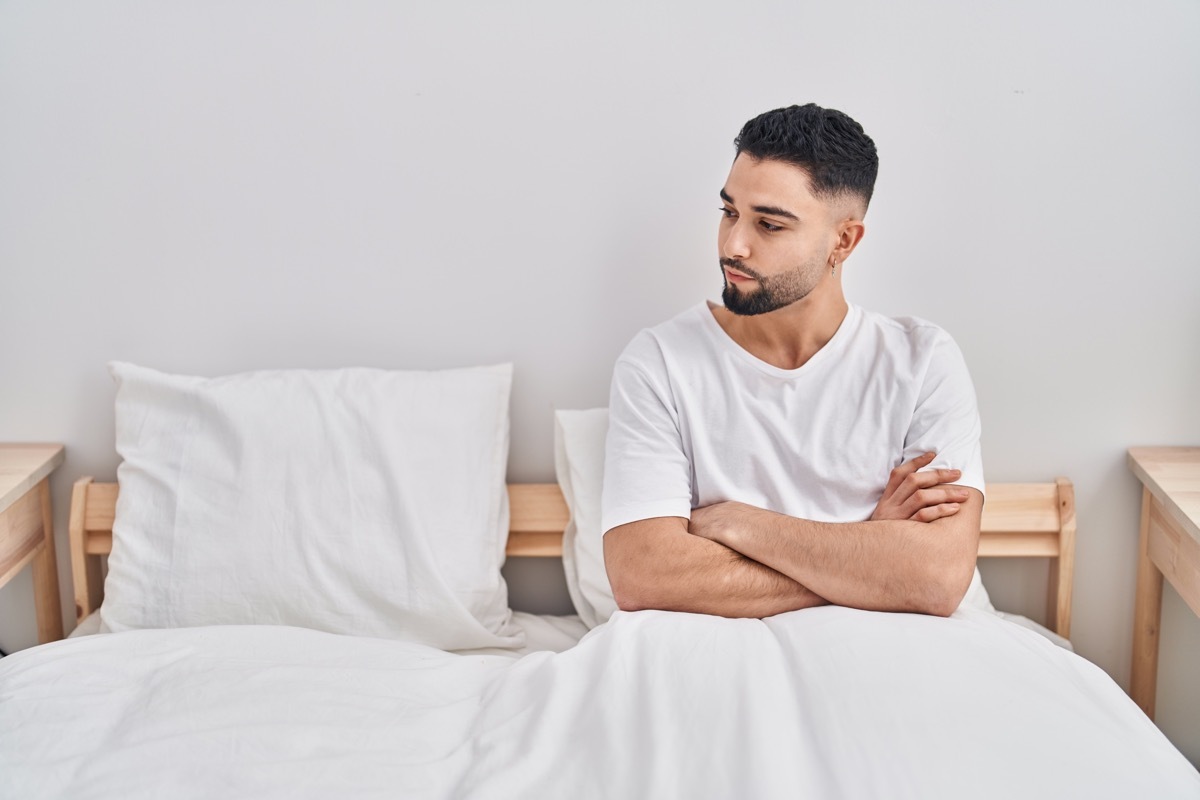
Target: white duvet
(823, 703)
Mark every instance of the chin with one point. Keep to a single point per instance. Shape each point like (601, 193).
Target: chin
(743, 304)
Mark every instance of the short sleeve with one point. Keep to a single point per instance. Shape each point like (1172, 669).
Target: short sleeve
(646, 471)
(946, 419)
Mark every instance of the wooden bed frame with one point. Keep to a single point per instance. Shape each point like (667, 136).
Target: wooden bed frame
(1019, 520)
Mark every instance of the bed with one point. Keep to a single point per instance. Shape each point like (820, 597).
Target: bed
(826, 702)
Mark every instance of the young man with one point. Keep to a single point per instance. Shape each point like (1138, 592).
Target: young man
(790, 449)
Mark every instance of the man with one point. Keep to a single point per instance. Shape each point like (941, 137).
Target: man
(790, 449)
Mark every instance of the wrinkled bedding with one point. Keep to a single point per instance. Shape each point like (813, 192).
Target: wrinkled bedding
(827, 702)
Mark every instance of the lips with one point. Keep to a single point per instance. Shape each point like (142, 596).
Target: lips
(736, 276)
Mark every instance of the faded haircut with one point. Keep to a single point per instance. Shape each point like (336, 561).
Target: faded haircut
(832, 149)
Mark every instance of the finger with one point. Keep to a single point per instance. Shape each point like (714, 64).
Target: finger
(931, 513)
(924, 480)
(934, 496)
(907, 468)
(932, 477)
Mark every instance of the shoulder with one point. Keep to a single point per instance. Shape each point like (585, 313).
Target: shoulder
(908, 328)
(906, 337)
(650, 347)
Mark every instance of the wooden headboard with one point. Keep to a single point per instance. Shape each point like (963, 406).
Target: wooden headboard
(1019, 520)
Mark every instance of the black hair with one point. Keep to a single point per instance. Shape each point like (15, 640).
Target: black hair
(829, 146)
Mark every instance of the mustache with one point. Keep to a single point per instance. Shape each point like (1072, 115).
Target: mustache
(733, 263)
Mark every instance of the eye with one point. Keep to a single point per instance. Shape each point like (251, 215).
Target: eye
(728, 213)
(769, 227)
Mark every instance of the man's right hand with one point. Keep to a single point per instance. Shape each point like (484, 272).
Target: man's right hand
(920, 496)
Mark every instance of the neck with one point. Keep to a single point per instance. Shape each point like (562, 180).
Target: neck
(788, 337)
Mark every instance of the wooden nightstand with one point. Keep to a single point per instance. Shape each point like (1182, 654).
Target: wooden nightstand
(1168, 547)
(27, 527)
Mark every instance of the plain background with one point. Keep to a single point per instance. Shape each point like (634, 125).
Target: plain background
(209, 187)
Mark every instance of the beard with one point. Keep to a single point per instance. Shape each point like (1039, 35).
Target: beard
(773, 292)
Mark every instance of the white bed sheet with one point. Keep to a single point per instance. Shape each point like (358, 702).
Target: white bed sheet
(828, 702)
(542, 632)
(558, 633)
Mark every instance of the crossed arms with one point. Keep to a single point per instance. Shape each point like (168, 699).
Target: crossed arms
(916, 553)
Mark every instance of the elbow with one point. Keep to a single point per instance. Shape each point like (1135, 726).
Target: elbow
(947, 588)
(939, 602)
(627, 601)
(632, 584)
(641, 567)
(629, 587)
(942, 605)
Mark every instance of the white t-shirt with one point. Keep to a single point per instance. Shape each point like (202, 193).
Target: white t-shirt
(695, 419)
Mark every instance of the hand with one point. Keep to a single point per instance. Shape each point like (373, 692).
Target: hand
(716, 522)
(920, 496)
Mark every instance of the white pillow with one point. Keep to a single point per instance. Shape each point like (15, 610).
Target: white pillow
(579, 464)
(356, 501)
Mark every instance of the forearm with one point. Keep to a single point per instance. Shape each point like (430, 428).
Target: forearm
(885, 566)
(658, 564)
(890, 565)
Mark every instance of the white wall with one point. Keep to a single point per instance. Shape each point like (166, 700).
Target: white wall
(208, 187)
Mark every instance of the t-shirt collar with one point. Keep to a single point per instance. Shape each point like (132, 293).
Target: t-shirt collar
(726, 342)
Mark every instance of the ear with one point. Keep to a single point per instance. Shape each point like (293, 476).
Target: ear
(849, 233)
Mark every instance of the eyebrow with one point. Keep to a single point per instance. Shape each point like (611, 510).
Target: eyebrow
(774, 211)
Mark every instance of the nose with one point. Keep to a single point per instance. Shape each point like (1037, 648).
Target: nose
(735, 244)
